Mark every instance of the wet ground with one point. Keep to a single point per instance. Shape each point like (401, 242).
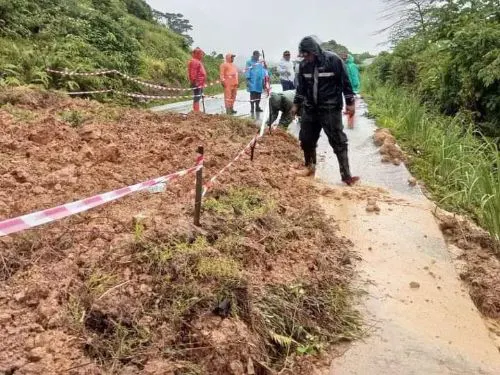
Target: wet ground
(419, 316)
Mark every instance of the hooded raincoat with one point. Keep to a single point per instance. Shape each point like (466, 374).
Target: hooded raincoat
(196, 71)
(230, 80)
(197, 76)
(353, 71)
(255, 75)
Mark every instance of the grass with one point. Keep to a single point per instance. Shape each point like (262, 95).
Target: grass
(74, 118)
(193, 277)
(303, 318)
(459, 166)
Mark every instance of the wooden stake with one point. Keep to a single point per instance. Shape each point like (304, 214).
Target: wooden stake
(199, 192)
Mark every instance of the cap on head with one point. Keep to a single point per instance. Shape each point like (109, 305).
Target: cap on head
(256, 53)
(286, 53)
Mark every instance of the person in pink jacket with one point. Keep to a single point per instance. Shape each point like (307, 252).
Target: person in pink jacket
(197, 76)
(230, 81)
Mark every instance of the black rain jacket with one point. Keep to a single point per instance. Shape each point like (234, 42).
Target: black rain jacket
(322, 82)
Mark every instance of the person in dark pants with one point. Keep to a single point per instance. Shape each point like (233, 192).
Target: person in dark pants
(281, 102)
(322, 81)
(255, 75)
(286, 72)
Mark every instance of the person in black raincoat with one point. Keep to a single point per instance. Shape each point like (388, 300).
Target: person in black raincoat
(322, 80)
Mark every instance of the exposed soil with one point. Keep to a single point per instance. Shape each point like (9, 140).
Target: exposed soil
(132, 287)
(390, 151)
(476, 257)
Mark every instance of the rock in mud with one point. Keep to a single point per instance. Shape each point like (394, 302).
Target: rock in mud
(372, 205)
(412, 181)
(36, 354)
(414, 285)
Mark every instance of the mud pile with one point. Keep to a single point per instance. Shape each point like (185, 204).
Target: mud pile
(476, 255)
(132, 287)
(390, 151)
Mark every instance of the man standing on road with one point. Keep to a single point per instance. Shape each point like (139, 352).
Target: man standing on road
(197, 77)
(281, 102)
(322, 81)
(286, 72)
(255, 75)
(229, 80)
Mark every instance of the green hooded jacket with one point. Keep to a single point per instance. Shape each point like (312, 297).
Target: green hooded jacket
(353, 71)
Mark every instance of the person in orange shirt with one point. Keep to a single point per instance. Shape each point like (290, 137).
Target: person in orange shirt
(197, 76)
(229, 80)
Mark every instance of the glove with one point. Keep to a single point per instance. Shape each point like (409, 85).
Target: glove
(350, 110)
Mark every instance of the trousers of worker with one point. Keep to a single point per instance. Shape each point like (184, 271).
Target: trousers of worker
(230, 96)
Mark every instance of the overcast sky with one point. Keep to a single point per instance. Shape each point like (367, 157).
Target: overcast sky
(241, 26)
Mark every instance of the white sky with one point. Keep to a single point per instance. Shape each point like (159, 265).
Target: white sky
(276, 25)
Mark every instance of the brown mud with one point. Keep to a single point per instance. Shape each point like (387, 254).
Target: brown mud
(132, 287)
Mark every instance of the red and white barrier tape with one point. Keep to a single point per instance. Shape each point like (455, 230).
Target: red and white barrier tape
(35, 219)
(213, 180)
(134, 95)
(129, 78)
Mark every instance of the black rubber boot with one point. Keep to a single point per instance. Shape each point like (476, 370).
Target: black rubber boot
(343, 158)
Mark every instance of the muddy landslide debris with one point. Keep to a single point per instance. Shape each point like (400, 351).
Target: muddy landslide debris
(390, 151)
(130, 287)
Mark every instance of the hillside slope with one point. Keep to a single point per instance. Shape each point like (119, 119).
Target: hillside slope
(89, 35)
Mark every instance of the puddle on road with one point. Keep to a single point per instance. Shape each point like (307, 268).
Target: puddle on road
(364, 158)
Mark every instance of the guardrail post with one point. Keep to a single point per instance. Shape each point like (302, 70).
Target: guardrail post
(199, 191)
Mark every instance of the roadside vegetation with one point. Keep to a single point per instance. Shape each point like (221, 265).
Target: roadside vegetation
(89, 35)
(439, 91)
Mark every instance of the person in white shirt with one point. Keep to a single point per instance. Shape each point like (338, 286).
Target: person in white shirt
(287, 72)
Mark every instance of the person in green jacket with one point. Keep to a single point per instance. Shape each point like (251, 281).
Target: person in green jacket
(353, 72)
(281, 102)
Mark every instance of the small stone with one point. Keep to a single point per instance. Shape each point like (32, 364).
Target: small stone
(36, 354)
(412, 181)
(20, 297)
(5, 318)
(414, 285)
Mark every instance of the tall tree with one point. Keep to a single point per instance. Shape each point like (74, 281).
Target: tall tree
(407, 17)
(177, 23)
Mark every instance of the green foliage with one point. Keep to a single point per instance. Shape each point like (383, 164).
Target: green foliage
(460, 168)
(452, 60)
(74, 118)
(87, 35)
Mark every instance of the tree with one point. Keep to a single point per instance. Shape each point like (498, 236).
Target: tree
(407, 17)
(177, 23)
(333, 46)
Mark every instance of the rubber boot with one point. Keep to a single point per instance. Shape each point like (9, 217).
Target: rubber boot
(196, 107)
(229, 111)
(345, 172)
(252, 107)
(258, 109)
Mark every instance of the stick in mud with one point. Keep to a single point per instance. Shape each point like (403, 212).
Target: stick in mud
(252, 148)
(203, 102)
(199, 191)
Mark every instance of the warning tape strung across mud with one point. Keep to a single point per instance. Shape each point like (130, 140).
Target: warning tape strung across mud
(129, 78)
(213, 180)
(35, 219)
(67, 72)
(134, 95)
(156, 97)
